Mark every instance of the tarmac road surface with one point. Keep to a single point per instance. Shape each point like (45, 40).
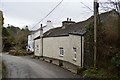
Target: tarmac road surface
(21, 67)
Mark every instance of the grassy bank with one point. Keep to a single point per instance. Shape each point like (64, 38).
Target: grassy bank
(99, 73)
(4, 70)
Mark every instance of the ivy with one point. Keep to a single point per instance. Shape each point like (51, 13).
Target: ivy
(89, 38)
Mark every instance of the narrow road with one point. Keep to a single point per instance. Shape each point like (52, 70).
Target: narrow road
(21, 67)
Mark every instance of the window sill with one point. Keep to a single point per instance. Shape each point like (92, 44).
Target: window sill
(74, 59)
(61, 55)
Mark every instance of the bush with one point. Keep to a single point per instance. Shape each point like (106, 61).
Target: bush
(18, 52)
(116, 62)
(80, 70)
(12, 52)
(4, 70)
(94, 73)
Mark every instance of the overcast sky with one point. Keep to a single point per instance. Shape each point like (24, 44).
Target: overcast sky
(29, 12)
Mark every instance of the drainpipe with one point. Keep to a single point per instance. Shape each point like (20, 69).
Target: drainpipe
(82, 55)
(81, 51)
(41, 40)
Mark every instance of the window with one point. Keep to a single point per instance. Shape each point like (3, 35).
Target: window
(61, 51)
(28, 46)
(37, 47)
(75, 53)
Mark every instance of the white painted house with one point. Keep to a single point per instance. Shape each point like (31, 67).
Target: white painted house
(30, 46)
(64, 43)
(36, 34)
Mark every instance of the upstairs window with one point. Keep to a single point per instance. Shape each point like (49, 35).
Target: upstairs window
(74, 53)
(61, 51)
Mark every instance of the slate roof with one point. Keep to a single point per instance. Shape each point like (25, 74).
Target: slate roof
(75, 28)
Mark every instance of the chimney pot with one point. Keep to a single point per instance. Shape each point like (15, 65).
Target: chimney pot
(41, 31)
(49, 23)
(41, 26)
(67, 19)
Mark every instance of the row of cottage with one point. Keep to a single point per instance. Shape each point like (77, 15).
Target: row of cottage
(64, 43)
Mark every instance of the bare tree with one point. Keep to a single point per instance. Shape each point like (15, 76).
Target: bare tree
(110, 4)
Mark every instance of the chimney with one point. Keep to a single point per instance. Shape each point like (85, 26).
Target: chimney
(41, 41)
(67, 19)
(66, 23)
(49, 23)
(41, 31)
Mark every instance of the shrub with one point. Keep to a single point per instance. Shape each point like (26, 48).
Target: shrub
(116, 62)
(94, 73)
(4, 70)
(12, 52)
(80, 70)
(18, 52)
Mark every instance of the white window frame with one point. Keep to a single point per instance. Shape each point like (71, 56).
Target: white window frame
(61, 51)
(74, 53)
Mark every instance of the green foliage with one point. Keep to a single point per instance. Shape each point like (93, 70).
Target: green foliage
(1, 18)
(4, 70)
(90, 73)
(18, 52)
(95, 73)
(100, 73)
(80, 70)
(7, 40)
(116, 63)
(108, 38)
(14, 37)
(5, 33)
(116, 60)
(89, 38)
(21, 39)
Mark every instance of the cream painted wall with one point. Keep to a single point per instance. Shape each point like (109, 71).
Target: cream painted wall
(75, 42)
(30, 43)
(37, 48)
(51, 47)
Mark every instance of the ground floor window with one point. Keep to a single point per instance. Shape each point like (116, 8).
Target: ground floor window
(74, 53)
(61, 51)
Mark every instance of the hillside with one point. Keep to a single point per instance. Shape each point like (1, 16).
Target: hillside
(13, 30)
(14, 37)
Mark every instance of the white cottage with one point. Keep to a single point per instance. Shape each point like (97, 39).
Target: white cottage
(30, 46)
(35, 34)
(64, 43)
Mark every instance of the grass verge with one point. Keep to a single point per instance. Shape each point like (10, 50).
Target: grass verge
(98, 73)
(4, 70)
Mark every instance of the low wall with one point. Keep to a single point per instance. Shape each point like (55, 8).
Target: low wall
(67, 65)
